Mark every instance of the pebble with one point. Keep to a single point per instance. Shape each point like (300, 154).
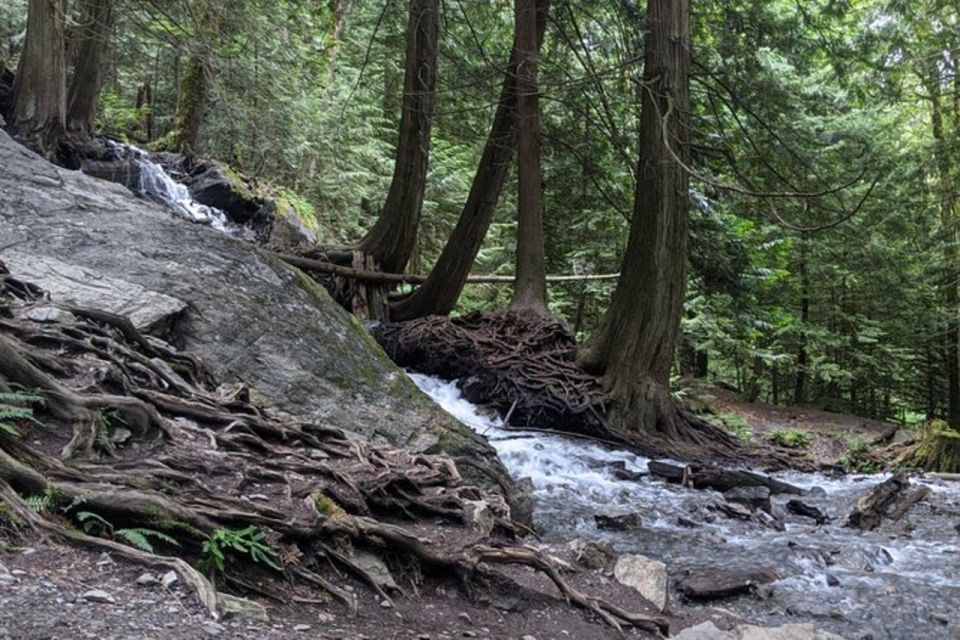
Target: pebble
(98, 595)
(301, 627)
(469, 634)
(385, 604)
(463, 615)
(212, 628)
(528, 638)
(326, 618)
(147, 579)
(169, 579)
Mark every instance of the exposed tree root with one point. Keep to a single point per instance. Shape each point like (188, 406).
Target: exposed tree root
(522, 366)
(138, 434)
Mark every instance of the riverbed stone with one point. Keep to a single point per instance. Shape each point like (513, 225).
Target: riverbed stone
(752, 497)
(710, 631)
(617, 521)
(647, 576)
(249, 316)
(716, 583)
(236, 608)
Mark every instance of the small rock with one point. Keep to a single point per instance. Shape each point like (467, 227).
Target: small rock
(528, 638)
(687, 522)
(385, 604)
(752, 497)
(326, 618)
(617, 521)
(592, 555)
(98, 595)
(105, 560)
(469, 634)
(465, 617)
(479, 516)
(301, 627)
(212, 628)
(50, 314)
(832, 580)
(119, 435)
(801, 508)
(648, 577)
(232, 607)
(147, 579)
(18, 572)
(169, 579)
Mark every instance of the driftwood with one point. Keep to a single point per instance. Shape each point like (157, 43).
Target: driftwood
(720, 479)
(206, 459)
(889, 499)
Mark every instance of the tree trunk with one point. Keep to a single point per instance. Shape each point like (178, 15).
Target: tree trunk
(195, 89)
(634, 346)
(94, 39)
(951, 264)
(530, 289)
(40, 92)
(392, 239)
(439, 294)
(800, 388)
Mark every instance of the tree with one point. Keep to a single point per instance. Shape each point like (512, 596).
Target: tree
(39, 103)
(530, 288)
(439, 294)
(195, 88)
(392, 239)
(633, 349)
(96, 24)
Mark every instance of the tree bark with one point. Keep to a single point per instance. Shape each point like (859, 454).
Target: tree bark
(530, 290)
(439, 294)
(800, 386)
(951, 263)
(40, 91)
(194, 90)
(393, 237)
(634, 347)
(94, 40)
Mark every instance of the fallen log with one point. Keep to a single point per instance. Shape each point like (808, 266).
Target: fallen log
(713, 584)
(720, 479)
(889, 499)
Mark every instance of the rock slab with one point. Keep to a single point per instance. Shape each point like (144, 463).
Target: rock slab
(647, 576)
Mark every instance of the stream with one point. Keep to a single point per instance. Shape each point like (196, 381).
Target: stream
(901, 582)
(155, 183)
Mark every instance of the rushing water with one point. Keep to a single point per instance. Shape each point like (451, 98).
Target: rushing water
(155, 183)
(899, 583)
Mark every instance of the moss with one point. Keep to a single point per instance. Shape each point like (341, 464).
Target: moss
(791, 438)
(328, 508)
(939, 448)
(287, 199)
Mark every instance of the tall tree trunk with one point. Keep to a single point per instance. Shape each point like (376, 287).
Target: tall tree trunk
(195, 87)
(948, 226)
(439, 294)
(94, 39)
(634, 346)
(530, 287)
(800, 388)
(40, 88)
(393, 237)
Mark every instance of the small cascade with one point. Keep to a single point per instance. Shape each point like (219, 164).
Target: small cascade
(856, 584)
(155, 183)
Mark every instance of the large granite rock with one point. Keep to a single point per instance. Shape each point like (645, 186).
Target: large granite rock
(251, 318)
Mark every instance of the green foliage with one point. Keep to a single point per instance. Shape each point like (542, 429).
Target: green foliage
(790, 438)
(938, 448)
(41, 503)
(249, 542)
(17, 406)
(736, 425)
(139, 537)
(857, 458)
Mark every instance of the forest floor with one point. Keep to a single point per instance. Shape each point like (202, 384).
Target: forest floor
(43, 587)
(831, 434)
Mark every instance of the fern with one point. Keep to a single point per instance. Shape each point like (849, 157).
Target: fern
(250, 542)
(40, 503)
(17, 406)
(140, 538)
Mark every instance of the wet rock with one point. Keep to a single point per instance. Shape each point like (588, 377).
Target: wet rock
(220, 299)
(593, 555)
(236, 608)
(710, 631)
(125, 171)
(617, 521)
(756, 497)
(832, 580)
(800, 508)
(214, 185)
(687, 522)
(713, 584)
(620, 471)
(648, 577)
(883, 498)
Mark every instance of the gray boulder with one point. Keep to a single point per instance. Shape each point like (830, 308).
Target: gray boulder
(250, 317)
(710, 631)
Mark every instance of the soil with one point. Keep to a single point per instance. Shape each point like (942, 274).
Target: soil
(44, 600)
(831, 434)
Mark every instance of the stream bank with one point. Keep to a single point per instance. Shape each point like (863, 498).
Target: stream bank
(899, 581)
